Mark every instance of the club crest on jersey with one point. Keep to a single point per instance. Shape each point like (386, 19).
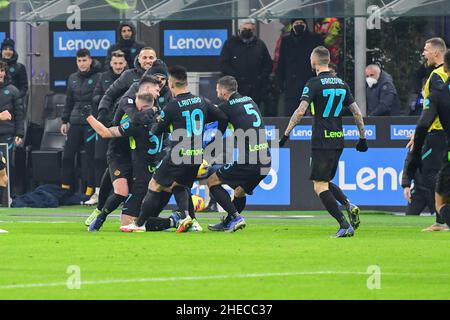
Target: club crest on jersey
(117, 173)
(305, 90)
(130, 101)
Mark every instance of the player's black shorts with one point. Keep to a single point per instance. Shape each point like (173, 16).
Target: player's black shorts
(119, 168)
(167, 173)
(247, 176)
(443, 181)
(324, 163)
(139, 187)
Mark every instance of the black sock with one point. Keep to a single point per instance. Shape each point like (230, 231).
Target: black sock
(329, 201)
(150, 207)
(157, 224)
(338, 194)
(1, 194)
(182, 197)
(105, 189)
(223, 198)
(239, 203)
(191, 208)
(444, 213)
(112, 203)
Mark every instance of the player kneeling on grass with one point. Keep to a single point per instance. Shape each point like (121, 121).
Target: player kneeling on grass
(254, 160)
(438, 106)
(329, 94)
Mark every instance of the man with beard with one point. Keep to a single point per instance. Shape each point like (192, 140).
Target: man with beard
(127, 44)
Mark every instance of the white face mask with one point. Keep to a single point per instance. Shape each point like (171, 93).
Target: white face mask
(371, 81)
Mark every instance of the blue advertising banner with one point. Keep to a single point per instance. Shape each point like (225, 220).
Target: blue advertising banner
(2, 36)
(372, 177)
(66, 43)
(194, 42)
(351, 132)
(402, 131)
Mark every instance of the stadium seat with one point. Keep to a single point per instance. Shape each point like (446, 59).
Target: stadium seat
(46, 162)
(54, 105)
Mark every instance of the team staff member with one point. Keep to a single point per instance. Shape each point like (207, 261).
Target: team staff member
(12, 128)
(438, 106)
(17, 73)
(80, 90)
(127, 43)
(329, 94)
(243, 113)
(435, 141)
(186, 114)
(121, 172)
(116, 66)
(144, 61)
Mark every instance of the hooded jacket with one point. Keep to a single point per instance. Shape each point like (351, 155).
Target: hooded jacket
(80, 91)
(382, 98)
(17, 74)
(249, 63)
(11, 100)
(120, 86)
(130, 48)
(294, 66)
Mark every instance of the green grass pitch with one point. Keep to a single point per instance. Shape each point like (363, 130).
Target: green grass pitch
(271, 259)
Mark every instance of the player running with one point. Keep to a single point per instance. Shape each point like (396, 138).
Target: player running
(185, 116)
(327, 94)
(438, 106)
(254, 163)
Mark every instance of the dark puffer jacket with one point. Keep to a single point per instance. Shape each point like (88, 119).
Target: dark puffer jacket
(130, 47)
(107, 78)
(11, 100)
(17, 74)
(120, 86)
(80, 91)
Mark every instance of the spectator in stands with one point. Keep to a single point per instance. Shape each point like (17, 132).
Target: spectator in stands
(143, 62)
(246, 58)
(117, 65)
(17, 73)
(127, 44)
(80, 90)
(382, 97)
(294, 67)
(12, 114)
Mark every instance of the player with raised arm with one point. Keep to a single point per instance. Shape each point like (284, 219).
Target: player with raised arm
(327, 94)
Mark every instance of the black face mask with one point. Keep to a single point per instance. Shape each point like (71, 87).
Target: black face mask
(299, 29)
(246, 34)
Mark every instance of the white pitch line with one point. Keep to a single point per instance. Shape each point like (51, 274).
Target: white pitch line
(214, 277)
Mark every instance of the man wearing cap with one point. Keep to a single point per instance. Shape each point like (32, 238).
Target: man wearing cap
(294, 67)
(246, 58)
(127, 43)
(17, 74)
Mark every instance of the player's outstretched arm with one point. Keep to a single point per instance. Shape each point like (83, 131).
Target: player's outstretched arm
(361, 146)
(295, 119)
(103, 131)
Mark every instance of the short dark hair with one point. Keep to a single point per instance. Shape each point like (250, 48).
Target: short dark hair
(322, 54)
(229, 83)
(149, 79)
(83, 53)
(179, 73)
(146, 97)
(118, 54)
(3, 66)
(447, 60)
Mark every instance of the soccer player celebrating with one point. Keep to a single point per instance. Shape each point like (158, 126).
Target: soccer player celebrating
(327, 94)
(186, 116)
(244, 115)
(438, 106)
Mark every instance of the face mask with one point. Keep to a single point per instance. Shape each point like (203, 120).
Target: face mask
(246, 34)
(299, 29)
(371, 81)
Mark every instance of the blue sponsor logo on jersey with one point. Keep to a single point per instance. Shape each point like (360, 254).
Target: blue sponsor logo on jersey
(66, 43)
(194, 42)
(373, 177)
(402, 131)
